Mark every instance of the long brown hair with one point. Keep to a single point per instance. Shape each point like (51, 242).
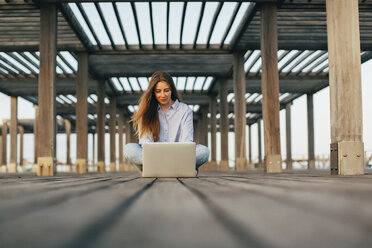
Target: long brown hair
(146, 119)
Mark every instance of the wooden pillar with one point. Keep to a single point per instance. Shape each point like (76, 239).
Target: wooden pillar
(127, 133)
(239, 112)
(270, 87)
(347, 148)
(46, 91)
(250, 147)
(310, 132)
(205, 129)
(112, 131)
(101, 126)
(81, 114)
(68, 145)
(288, 136)
(93, 152)
(213, 123)
(35, 134)
(196, 129)
(260, 164)
(21, 131)
(224, 125)
(13, 134)
(121, 141)
(4, 135)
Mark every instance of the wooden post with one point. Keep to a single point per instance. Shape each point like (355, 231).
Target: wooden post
(21, 131)
(13, 134)
(81, 114)
(101, 126)
(260, 164)
(68, 145)
(251, 166)
(270, 88)
(224, 125)
(121, 142)
(127, 165)
(196, 129)
(213, 122)
(93, 152)
(310, 131)
(288, 136)
(112, 131)
(34, 168)
(347, 148)
(205, 129)
(239, 112)
(4, 134)
(46, 91)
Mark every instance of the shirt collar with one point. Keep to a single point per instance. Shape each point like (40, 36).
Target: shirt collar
(174, 105)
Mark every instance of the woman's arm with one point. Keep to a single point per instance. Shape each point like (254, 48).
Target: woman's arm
(145, 139)
(187, 128)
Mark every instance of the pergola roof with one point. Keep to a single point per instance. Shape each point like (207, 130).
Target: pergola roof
(194, 41)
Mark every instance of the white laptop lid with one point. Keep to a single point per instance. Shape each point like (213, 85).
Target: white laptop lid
(168, 159)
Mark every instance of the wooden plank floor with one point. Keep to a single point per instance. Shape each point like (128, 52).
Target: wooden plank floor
(292, 209)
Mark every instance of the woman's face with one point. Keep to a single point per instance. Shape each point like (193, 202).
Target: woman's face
(163, 93)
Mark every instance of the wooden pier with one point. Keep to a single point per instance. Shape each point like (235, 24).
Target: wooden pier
(218, 209)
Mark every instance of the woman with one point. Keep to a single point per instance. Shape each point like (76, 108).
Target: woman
(162, 117)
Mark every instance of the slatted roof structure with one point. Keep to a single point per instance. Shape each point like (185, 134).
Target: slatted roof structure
(193, 40)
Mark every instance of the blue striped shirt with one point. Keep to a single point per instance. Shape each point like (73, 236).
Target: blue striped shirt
(175, 126)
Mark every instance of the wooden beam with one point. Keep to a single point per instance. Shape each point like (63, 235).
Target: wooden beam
(101, 125)
(239, 112)
(224, 125)
(270, 88)
(81, 114)
(46, 91)
(288, 136)
(112, 131)
(310, 132)
(347, 148)
(13, 134)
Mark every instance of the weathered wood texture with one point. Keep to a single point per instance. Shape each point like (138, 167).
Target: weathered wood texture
(216, 210)
(270, 87)
(68, 142)
(288, 136)
(35, 133)
(345, 86)
(13, 133)
(310, 132)
(239, 112)
(213, 130)
(81, 109)
(250, 145)
(101, 126)
(112, 131)
(21, 131)
(121, 140)
(224, 125)
(46, 90)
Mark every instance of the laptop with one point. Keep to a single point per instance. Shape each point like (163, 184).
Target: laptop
(168, 159)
